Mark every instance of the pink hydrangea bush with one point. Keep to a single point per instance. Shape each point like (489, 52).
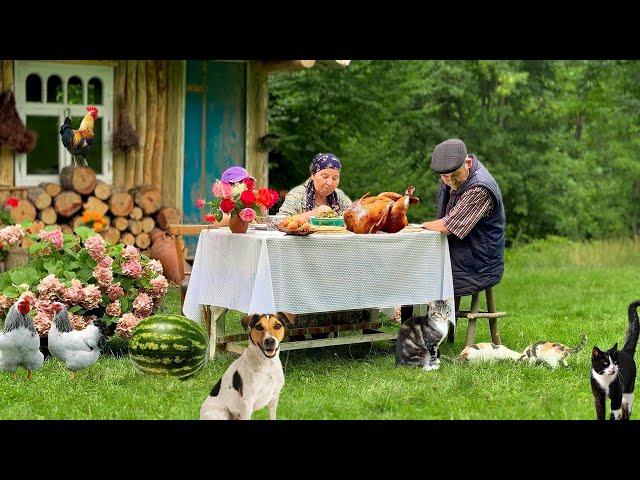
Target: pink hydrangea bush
(94, 279)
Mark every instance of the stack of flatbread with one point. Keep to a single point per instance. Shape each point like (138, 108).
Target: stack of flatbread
(329, 229)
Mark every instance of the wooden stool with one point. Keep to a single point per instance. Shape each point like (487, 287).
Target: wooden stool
(473, 314)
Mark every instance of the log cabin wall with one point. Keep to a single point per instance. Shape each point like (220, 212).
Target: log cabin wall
(151, 96)
(6, 156)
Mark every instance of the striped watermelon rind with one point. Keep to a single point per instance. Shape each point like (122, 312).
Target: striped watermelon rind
(169, 344)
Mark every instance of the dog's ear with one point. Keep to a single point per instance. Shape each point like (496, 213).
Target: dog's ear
(250, 321)
(284, 319)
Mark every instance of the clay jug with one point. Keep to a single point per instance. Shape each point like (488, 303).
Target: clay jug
(163, 248)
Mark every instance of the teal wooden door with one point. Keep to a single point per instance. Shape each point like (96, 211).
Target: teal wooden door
(215, 125)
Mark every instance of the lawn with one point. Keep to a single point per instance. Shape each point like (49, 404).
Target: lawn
(552, 290)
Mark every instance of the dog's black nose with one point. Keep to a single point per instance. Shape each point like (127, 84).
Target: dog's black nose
(269, 343)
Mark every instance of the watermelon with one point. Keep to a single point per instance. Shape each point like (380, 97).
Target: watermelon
(168, 344)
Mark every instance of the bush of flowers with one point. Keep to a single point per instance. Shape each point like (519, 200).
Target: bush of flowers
(92, 278)
(241, 200)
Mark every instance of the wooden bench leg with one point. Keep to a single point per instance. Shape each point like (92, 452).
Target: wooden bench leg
(471, 328)
(493, 322)
(451, 335)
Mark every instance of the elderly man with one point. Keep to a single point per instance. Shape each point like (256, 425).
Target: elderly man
(471, 213)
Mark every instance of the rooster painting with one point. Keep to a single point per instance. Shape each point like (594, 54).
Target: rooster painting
(80, 141)
(19, 341)
(77, 349)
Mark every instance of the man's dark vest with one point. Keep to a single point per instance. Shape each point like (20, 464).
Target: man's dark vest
(477, 260)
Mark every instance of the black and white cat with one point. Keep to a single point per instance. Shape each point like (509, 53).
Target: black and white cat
(419, 337)
(613, 373)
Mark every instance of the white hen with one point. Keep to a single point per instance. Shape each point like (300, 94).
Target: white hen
(19, 341)
(77, 349)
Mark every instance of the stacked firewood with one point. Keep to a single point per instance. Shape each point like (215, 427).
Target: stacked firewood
(129, 216)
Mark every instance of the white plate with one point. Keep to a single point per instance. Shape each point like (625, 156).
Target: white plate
(259, 226)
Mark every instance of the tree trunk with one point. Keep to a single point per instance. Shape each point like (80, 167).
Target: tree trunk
(53, 189)
(67, 203)
(39, 198)
(161, 124)
(128, 238)
(130, 111)
(121, 223)
(48, 216)
(121, 204)
(79, 179)
(152, 112)
(147, 197)
(77, 221)
(142, 240)
(148, 224)
(24, 211)
(103, 190)
(135, 226)
(94, 204)
(141, 113)
(136, 213)
(111, 235)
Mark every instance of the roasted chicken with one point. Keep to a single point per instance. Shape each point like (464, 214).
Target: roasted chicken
(386, 212)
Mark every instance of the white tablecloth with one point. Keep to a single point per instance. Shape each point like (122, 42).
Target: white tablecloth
(265, 271)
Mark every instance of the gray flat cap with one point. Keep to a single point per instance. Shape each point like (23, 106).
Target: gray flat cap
(448, 156)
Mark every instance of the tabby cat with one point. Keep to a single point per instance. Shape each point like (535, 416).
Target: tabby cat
(419, 337)
(613, 373)
(551, 353)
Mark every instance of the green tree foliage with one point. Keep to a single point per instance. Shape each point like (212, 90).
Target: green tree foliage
(560, 137)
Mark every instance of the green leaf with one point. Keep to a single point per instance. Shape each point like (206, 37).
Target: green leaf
(145, 283)
(125, 304)
(75, 309)
(91, 263)
(18, 277)
(85, 274)
(84, 233)
(69, 275)
(36, 247)
(10, 291)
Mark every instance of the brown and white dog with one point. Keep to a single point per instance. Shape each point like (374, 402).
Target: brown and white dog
(253, 380)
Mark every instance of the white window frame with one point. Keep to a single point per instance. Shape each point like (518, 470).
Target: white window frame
(24, 68)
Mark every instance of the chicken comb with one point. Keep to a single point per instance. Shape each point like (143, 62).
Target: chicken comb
(92, 109)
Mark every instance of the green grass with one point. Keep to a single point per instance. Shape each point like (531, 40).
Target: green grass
(552, 290)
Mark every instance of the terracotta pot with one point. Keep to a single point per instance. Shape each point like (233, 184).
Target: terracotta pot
(163, 248)
(236, 225)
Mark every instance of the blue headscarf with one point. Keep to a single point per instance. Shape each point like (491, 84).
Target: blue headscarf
(320, 162)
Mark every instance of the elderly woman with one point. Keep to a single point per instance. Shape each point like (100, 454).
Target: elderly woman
(319, 193)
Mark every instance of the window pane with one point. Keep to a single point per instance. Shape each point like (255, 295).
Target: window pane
(94, 92)
(54, 89)
(74, 91)
(43, 160)
(34, 88)
(94, 157)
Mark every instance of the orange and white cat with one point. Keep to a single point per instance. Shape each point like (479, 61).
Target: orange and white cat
(551, 353)
(486, 352)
